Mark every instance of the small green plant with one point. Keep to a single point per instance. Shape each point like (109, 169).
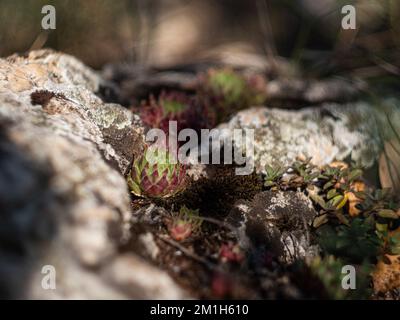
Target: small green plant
(272, 175)
(185, 224)
(306, 170)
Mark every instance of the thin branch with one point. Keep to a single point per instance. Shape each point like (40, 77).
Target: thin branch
(388, 67)
(189, 253)
(217, 222)
(266, 29)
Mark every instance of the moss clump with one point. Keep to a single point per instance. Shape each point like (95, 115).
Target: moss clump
(217, 195)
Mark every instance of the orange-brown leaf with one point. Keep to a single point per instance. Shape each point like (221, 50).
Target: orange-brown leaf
(386, 276)
(357, 186)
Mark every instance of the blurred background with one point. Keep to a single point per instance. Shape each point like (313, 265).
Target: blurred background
(168, 32)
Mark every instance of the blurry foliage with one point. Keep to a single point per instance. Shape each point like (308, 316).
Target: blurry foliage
(96, 31)
(101, 31)
(329, 271)
(355, 243)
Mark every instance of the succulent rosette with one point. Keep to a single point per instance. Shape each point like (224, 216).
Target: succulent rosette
(156, 174)
(228, 91)
(226, 84)
(175, 106)
(231, 252)
(185, 224)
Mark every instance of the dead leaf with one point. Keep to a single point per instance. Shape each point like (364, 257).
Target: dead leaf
(357, 186)
(389, 166)
(386, 276)
(320, 220)
(339, 164)
(388, 214)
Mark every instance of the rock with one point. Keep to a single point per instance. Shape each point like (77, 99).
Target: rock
(64, 202)
(59, 91)
(314, 91)
(331, 132)
(146, 282)
(276, 222)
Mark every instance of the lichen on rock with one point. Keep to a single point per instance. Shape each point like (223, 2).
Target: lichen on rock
(64, 201)
(277, 222)
(325, 134)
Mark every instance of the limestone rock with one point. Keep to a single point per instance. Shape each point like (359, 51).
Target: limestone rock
(332, 132)
(58, 92)
(64, 202)
(277, 222)
(314, 91)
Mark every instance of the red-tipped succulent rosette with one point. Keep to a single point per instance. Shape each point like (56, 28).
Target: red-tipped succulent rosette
(156, 174)
(175, 106)
(185, 224)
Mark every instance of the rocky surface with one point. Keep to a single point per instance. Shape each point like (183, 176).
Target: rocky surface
(314, 91)
(276, 222)
(332, 132)
(134, 81)
(63, 198)
(65, 205)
